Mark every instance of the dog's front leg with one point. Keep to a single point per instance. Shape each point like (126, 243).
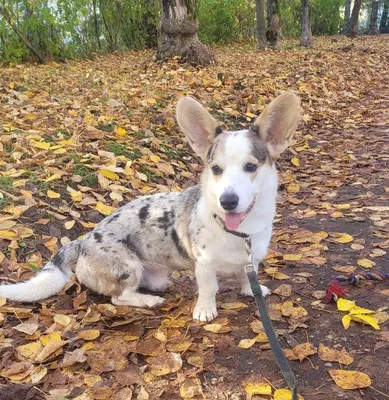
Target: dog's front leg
(205, 309)
(245, 284)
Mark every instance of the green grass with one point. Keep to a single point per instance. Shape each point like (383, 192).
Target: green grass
(120, 150)
(151, 176)
(6, 183)
(89, 178)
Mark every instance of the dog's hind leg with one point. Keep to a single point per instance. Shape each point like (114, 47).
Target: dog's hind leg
(155, 280)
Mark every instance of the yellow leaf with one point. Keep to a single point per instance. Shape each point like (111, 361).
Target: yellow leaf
(53, 195)
(76, 196)
(38, 374)
(69, 224)
(191, 388)
(333, 355)
(154, 158)
(304, 350)
(90, 334)
(360, 310)
(295, 161)
(52, 178)
(346, 321)
(350, 379)
(7, 235)
(62, 319)
(345, 305)
(52, 337)
(214, 328)
(109, 174)
(345, 238)
(284, 394)
(247, 343)
(292, 257)
(366, 319)
(41, 145)
(49, 349)
(293, 188)
(250, 115)
(29, 350)
(342, 206)
(90, 379)
(151, 101)
(235, 305)
(366, 263)
(258, 388)
(104, 209)
(120, 131)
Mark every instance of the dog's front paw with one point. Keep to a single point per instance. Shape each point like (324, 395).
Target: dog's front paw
(246, 291)
(205, 312)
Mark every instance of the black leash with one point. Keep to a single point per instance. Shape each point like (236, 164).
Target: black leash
(275, 346)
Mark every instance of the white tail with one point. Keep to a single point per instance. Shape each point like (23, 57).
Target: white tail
(45, 284)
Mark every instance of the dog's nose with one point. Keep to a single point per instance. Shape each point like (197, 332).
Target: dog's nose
(229, 201)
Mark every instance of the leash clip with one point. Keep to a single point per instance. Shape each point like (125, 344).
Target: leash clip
(249, 268)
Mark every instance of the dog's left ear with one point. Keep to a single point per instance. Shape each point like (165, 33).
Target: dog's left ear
(198, 125)
(278, 122)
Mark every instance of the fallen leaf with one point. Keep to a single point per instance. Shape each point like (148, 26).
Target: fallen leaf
(349, 380)
(332, 355)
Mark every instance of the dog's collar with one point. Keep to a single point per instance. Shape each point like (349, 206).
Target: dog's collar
(223, 225)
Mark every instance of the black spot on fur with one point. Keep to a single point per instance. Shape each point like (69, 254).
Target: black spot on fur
(258, 147)
(218, 130)
(144, 213)
(98, 237)
(131, 246)
(59, 258)
(203, 246)
(178, 244)
(84, 252)
(167, 220)
(106, 248)
(123, 276)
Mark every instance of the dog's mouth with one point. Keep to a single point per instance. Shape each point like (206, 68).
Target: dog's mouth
(234, 219)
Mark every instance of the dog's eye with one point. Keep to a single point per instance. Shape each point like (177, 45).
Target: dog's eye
(249, 167)
(217, 170)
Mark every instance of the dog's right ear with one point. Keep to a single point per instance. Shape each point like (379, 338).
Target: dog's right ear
(198, 125)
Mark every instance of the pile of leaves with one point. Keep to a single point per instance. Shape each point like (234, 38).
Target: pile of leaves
(80, 139)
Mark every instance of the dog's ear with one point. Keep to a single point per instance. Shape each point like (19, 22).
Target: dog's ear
(198, 125)
(278, 122)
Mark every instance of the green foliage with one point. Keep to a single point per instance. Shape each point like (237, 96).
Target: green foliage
(80, 28)
(223, 21)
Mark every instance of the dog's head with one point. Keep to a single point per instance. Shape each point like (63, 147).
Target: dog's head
(239, 164)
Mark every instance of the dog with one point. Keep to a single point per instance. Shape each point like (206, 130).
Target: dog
(198, 228)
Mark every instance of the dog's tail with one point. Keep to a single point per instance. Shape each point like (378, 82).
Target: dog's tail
(49, 281)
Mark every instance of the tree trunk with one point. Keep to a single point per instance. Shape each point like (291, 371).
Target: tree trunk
(384, 17)
(353, 29)
(179, 34)
(96, 24)
(8, 18)
(273, 32)
(347, 12)
(261, 24)
(373, 28)
(306, 32)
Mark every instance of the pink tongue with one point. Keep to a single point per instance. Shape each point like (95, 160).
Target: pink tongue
(233, 220)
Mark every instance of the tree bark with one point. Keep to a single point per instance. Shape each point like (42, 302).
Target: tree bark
(261, 24)
(373, 28)
(384, 18)
(273, 32)
(179, 34)
(347, 13)
(306, 32)
(353, 29)
(8, 18)
(96, 24)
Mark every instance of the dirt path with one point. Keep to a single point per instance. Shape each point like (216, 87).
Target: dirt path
(334, 212)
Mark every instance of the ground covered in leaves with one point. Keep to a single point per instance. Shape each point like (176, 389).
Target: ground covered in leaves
(81, 138)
